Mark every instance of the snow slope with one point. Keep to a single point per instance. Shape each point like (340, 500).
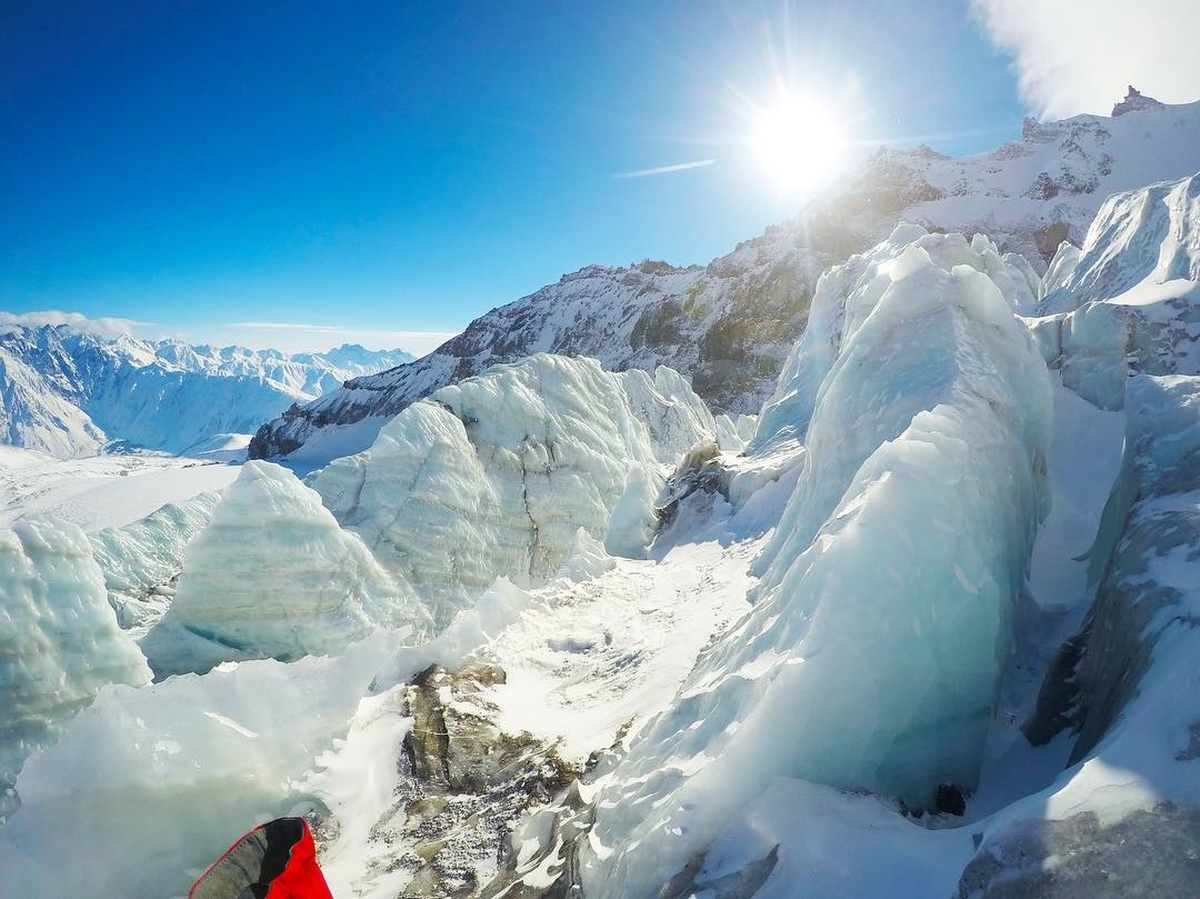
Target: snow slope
(102, 491)
(728, 326)
(69, 392)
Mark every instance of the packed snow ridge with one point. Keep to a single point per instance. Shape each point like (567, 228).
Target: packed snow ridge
(728, 326)
(71, 392)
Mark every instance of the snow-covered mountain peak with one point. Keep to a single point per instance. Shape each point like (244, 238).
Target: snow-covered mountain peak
(1135, 101)
(69, 390)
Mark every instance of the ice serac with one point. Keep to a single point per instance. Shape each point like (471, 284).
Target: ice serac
(847, 294)
(495, 475)
(274, 576)
(142, 561)
(59, 639)
(871, 659)
(1127, 304)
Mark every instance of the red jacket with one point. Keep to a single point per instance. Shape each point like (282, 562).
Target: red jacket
(275, 861)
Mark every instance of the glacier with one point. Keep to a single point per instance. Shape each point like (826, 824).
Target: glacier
(494, 476)
(272, 575)
(886, 639)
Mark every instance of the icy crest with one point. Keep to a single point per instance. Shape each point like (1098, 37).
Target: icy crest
(150, 785)
(59, 640)
(872, 657)
(1150, 235)
(142, 560)
(1126, 303)
(274, 576)
(495, 475)
(847, 294)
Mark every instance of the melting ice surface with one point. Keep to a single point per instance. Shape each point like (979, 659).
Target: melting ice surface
(59, 640)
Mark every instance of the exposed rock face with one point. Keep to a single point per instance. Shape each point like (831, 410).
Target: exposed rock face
(1148, 855)
(727, 326)
(1135, 101)
(468, 783)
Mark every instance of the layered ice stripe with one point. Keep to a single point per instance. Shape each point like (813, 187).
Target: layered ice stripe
(273, 575)
(59, 639)
(495, 476)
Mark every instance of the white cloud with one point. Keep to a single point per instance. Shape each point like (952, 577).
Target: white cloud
(1077, 56)
(666, 169)
(106, 327)
(296, 337)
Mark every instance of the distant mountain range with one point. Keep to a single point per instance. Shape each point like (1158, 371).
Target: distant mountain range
(69, 392)
(727, 326)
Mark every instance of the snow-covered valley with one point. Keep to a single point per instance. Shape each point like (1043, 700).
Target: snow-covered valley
(924, 627)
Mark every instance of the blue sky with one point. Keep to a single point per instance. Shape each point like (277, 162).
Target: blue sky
(404, 167)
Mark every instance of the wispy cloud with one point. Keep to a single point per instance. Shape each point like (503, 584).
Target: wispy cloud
(1077, 56)
(318, 336)
(666, 169)
(106, 327)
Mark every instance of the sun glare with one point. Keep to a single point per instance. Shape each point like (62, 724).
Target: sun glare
(798, 143)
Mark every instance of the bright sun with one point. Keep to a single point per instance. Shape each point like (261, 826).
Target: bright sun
(798, 143)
